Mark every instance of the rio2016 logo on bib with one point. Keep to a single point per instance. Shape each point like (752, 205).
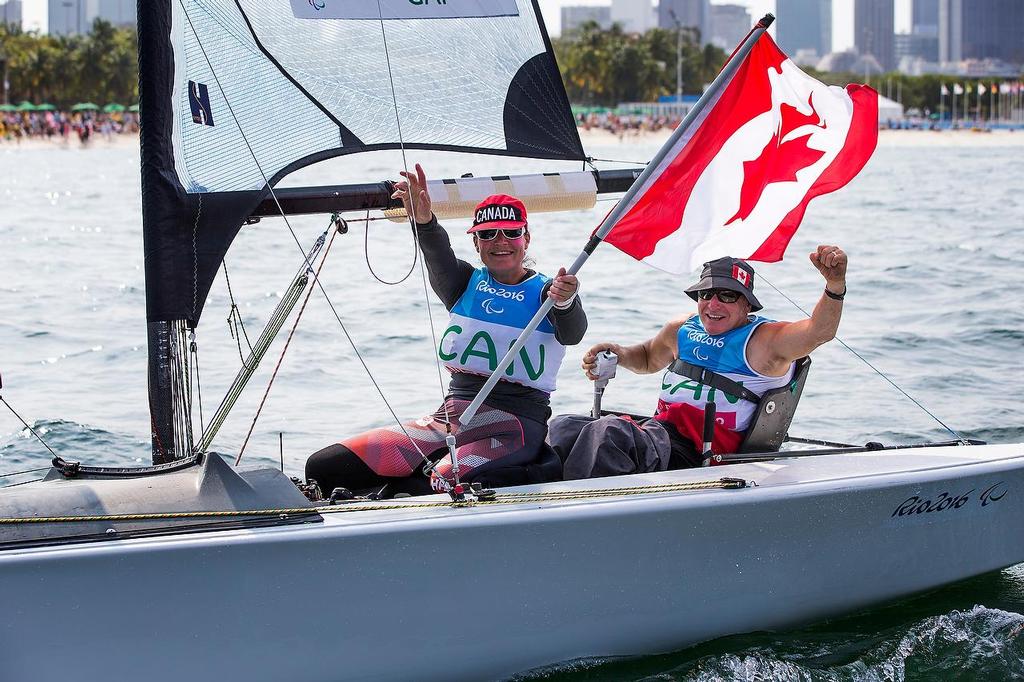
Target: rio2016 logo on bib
(706, 339)
(501, 292)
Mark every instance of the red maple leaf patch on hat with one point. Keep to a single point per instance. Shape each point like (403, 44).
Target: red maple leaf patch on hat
(741, 275)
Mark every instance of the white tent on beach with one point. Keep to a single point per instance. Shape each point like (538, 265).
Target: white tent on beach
(889, 110)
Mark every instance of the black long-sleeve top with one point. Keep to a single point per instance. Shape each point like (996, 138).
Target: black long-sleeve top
(449, 276)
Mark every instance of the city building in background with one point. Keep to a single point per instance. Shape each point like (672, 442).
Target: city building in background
(917, 52)
(10, 12)
(850, 61)
(981, 37)
(576, 15)
(71, 17)
(673, 14)
(729, 25)
(873, 31)
(635, 16)
(67, 17)
(118, 12)
(981, 29)
(804, 29)
(925, 18)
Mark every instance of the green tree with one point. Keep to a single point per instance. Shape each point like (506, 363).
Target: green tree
(605, 67)
(62, 70)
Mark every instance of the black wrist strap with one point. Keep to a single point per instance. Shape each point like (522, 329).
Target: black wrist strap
(835, 297)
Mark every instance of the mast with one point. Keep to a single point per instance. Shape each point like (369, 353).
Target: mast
(156, 74)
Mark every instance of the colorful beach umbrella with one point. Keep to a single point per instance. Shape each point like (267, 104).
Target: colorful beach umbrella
(111, 108)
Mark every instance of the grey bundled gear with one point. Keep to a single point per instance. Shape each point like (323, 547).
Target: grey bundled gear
(609, 446)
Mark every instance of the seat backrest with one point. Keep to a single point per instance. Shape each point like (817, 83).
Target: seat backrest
(770, 423)
(545, 468)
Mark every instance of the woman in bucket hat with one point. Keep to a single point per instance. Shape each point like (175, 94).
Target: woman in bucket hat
(488, 306)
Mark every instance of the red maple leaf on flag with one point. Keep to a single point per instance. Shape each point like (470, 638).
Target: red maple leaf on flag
(778, 162)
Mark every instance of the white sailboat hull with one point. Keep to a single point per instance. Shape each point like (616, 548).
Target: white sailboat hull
(486, 592)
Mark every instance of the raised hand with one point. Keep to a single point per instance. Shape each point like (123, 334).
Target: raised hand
(831, 263)
(414, 195)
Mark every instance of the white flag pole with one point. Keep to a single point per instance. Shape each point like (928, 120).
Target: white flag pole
(724, 76)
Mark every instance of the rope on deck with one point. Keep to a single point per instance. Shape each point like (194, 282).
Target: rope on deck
(358, 506)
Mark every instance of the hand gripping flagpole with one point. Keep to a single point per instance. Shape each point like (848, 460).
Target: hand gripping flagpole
(724, 76)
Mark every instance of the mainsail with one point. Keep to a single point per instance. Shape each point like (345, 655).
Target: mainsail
(236, 94)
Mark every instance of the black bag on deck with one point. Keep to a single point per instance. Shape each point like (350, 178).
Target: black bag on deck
(609, 446)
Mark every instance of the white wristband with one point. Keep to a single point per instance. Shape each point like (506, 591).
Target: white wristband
(567, 303)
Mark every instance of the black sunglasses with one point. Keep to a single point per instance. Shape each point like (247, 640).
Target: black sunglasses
(488, 235)
(724, 295)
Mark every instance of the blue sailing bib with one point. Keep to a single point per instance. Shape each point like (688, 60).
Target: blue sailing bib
(485, 322)
(725, 354)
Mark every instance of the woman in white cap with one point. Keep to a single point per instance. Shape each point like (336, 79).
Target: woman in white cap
(488, 307)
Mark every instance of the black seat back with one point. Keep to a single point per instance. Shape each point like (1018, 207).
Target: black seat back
(770, 424)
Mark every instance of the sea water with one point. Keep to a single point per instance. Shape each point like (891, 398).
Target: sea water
(936, 245)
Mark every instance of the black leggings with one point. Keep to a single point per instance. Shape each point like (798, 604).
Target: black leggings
(337, 466)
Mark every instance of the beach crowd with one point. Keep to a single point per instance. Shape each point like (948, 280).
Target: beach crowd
(625, 124)
(63, 126)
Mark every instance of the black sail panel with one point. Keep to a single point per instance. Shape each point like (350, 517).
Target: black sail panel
(532, 123)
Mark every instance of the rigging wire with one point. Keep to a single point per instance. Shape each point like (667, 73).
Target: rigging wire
(295, 237)
(276, 321)
(366, 252)
(335, 220)
(235, 323)
(193, 347)
(25, 423)
(15, 485)
(591, 159)
(956, 435)
(22, 473)
(411, 214)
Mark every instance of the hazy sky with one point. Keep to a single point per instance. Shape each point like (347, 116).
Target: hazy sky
(842, 15)
(34, 13)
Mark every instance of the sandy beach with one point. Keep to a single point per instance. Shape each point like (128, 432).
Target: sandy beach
(886, 138)
(603, 138)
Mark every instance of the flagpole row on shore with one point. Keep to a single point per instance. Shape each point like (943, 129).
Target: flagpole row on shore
(723, 78)
(1005, 102)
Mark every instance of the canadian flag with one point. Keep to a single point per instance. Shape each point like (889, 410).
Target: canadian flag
(738, 181)
(741, 275)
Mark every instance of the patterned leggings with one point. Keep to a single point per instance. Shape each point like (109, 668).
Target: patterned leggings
(495, 439)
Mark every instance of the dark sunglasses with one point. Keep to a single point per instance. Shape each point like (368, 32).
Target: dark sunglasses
(724, 295)
(488, 235)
